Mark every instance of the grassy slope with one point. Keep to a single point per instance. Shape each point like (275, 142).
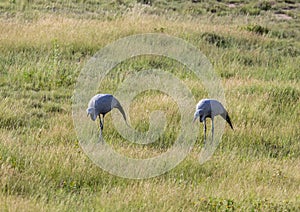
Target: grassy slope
(41, 54)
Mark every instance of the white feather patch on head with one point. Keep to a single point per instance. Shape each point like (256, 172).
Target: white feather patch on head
(91, 112)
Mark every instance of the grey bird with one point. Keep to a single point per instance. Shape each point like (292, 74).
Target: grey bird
(209, 108)
(102, 104)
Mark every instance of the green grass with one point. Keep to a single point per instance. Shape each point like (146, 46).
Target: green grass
(44, 46)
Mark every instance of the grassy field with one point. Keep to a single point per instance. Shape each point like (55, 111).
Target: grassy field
(254, 47)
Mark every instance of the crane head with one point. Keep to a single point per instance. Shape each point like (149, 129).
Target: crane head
(91, 112)
(198, 114)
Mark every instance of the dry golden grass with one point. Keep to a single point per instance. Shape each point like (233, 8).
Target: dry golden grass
(69, 30)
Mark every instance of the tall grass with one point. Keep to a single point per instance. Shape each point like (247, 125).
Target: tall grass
(256, 166)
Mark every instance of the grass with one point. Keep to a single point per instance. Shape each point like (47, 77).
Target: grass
(44, 46)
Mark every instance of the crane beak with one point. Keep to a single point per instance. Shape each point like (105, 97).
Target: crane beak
(194, 119)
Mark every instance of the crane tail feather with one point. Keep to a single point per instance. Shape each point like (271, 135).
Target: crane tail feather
(229, 121)
(227, 118)
(120, 108)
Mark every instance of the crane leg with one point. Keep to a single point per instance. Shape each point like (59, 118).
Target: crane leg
(212, 129)
(102, 122)
(204, 123)
(101, 126)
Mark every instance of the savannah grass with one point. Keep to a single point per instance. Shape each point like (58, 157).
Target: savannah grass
(43, 47)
